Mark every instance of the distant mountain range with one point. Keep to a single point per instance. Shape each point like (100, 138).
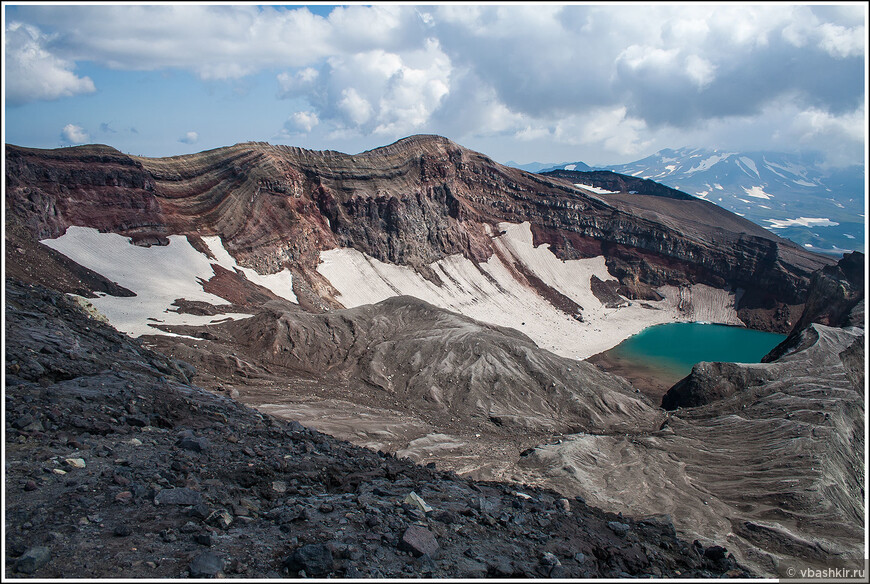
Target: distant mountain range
(544, 166)
(792, 195)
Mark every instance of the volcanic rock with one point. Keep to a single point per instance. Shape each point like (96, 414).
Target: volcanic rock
(180, 496)
(206, 565)
(311, 464)
(32, 560)
(314, 559)
(410, 203)
(419, 541)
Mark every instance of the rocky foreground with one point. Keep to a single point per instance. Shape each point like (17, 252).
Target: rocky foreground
(118, 466)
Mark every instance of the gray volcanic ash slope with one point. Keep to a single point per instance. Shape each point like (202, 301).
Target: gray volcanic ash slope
(768, 456)
(117, 467)
(419, 379)
(435, 360)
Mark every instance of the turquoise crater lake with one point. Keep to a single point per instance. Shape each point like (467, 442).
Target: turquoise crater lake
(661, 355)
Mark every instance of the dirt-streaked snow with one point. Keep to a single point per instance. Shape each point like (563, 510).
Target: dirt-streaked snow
(158, 275)
(281, 284)
(492, 293)
(801, 222)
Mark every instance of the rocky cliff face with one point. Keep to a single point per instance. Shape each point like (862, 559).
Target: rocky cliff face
(836, 298)
(49, 190)
(410, 203)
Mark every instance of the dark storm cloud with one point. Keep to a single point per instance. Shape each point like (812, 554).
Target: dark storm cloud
(654, 60)
(743, 86)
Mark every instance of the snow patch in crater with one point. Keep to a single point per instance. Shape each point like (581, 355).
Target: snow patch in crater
(493, 292)
(158, 275)
(280, 284)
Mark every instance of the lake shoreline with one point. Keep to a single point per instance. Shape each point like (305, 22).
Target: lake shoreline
(653, 382)
(660, 356)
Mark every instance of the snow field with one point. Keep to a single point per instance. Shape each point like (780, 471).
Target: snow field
(158, 275)
(493, 294)
(280, 284)
(594, 189)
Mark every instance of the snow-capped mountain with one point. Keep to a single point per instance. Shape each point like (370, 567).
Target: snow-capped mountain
(790, 194)
(539, 166)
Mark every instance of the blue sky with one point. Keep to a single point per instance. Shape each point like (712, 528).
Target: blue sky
(551, 83)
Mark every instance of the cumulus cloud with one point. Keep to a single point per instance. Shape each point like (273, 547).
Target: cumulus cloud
(620, 78)
(840, 41)
(298, 83)
(375, 91)
(189, 138)
(72, 134)
(613, 128)
(700, 70)
(355, 107)
(839, 38)
(301, 123)
(33, 73)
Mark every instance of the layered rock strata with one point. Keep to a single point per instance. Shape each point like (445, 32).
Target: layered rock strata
(411, 203)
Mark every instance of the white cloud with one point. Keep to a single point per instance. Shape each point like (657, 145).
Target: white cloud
(301, 123)
(74, 134)
(376, 91)
(293, 85)
(362, 28)
(700, 70)
(840, 41)
(813, 122)
(216, 42)
(611, 128)
(189, 138)
(646, 57)
(356, 108)
(608, 78)
(33, 73)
